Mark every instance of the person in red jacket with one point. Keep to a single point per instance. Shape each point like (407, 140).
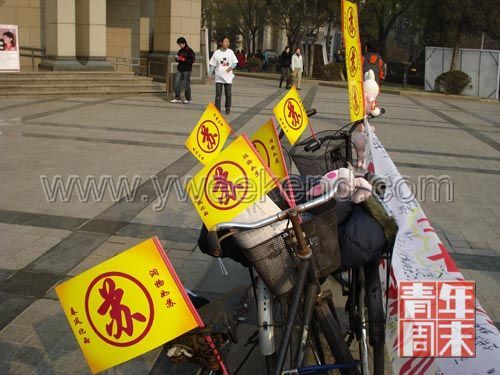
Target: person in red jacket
(372, 60)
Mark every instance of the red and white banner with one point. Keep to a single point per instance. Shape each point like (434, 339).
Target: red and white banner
(420, 255)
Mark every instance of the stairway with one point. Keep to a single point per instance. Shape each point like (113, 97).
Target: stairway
(49, 84)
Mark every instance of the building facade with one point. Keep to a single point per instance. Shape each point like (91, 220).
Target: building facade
(126, 35)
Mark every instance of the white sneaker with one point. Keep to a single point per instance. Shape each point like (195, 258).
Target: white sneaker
(186, 101)
(175, 101)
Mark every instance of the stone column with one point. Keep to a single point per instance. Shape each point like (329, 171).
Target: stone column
(60, 36)
(91, 34)
(173, 19)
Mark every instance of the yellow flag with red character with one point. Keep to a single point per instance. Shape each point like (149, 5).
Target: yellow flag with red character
(127, 306)
(233, 181)
(209, 135)
(291, 115)
(266, 142)
(352, 43)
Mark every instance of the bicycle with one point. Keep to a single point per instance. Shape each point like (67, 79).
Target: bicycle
(313, 255)
(363, 287)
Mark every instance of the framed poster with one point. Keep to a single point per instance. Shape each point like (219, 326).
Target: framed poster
(9, 48)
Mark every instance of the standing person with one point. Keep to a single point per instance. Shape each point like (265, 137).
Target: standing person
(297, 67)
(372, 60)
(185, 58)
(222, 64)
(285, 62)
(242, 60)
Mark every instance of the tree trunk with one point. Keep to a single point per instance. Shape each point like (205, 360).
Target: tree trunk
(456, 50)
(311, 59)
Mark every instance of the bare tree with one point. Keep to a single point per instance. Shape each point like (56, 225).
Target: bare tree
(255, 15)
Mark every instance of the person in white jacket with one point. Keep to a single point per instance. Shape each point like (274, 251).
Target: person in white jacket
(297, 68)
(222, 64)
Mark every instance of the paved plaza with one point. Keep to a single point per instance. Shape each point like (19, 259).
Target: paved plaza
(44, 243)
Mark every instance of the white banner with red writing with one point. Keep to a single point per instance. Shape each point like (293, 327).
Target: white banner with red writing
(420, 255)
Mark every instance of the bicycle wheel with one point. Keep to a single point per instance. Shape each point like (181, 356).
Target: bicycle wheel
(368, 320)
(333, 334)
(376, 316)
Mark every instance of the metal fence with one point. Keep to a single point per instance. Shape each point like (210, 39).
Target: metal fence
(482, 66)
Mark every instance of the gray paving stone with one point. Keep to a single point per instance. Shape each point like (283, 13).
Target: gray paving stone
(68, 253)
(11, 305)
(463, 244)
(8, 350)
(462, 250)
(29, 355)
(479, 245)
(485, 252)
(16, 333)
(179, 254)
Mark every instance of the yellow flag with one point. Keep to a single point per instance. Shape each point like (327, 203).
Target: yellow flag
(350, 27)
(127, 306)
(266, 142)
(291, 115)
(209, 135)
(232, 182)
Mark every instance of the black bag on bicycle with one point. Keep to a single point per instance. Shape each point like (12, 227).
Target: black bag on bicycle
(362, 239)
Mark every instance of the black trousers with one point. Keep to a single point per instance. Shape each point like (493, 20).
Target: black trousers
(218, 94)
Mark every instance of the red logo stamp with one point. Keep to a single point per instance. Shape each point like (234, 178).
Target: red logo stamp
(119, 308)
(356, 106)
(351, 28)
(436, 318)
(208, 137)
(353, 61)
(226, 185)
(293, 114)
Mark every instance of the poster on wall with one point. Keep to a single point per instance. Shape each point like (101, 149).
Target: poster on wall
(9, 48)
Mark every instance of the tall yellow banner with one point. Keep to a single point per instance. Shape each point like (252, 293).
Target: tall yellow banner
(127, 306)
(234, 180)
(353, 54)
(209, 135)
(266, 142)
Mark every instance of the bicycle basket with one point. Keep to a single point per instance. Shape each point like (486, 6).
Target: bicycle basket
(332, 155)
(274, 264)
(274, 261)
(321, 232)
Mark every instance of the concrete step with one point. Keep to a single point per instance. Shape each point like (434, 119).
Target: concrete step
(76, 88)
(90, 90)
(63, 74)
(71, 80)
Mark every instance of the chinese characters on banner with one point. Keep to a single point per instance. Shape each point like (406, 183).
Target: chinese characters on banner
(291, 115)
(118, 315)
(437, 319)
(9, 48)
(232, 182)
(350, 32)
(267, 144)
(209, 135)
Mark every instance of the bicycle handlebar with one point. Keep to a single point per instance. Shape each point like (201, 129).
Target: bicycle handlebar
(213, 238)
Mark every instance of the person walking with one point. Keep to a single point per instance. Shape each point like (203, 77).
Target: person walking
(222, 63)
(372, 60)
(185, 58)
(297, 68)
(285, 62)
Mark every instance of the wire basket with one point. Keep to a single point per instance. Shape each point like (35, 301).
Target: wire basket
(275, 262)
(332, 155)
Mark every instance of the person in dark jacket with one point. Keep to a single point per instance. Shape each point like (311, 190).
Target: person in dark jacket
(372, 60)
(285, 62)
(185, 58)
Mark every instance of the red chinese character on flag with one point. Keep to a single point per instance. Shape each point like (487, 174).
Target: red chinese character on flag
(208, 138)
(122, 319)
(226, 187)
(293, 114)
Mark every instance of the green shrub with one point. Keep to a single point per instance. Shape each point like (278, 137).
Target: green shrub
(332, 72)
(453, 82)
(254, 64)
